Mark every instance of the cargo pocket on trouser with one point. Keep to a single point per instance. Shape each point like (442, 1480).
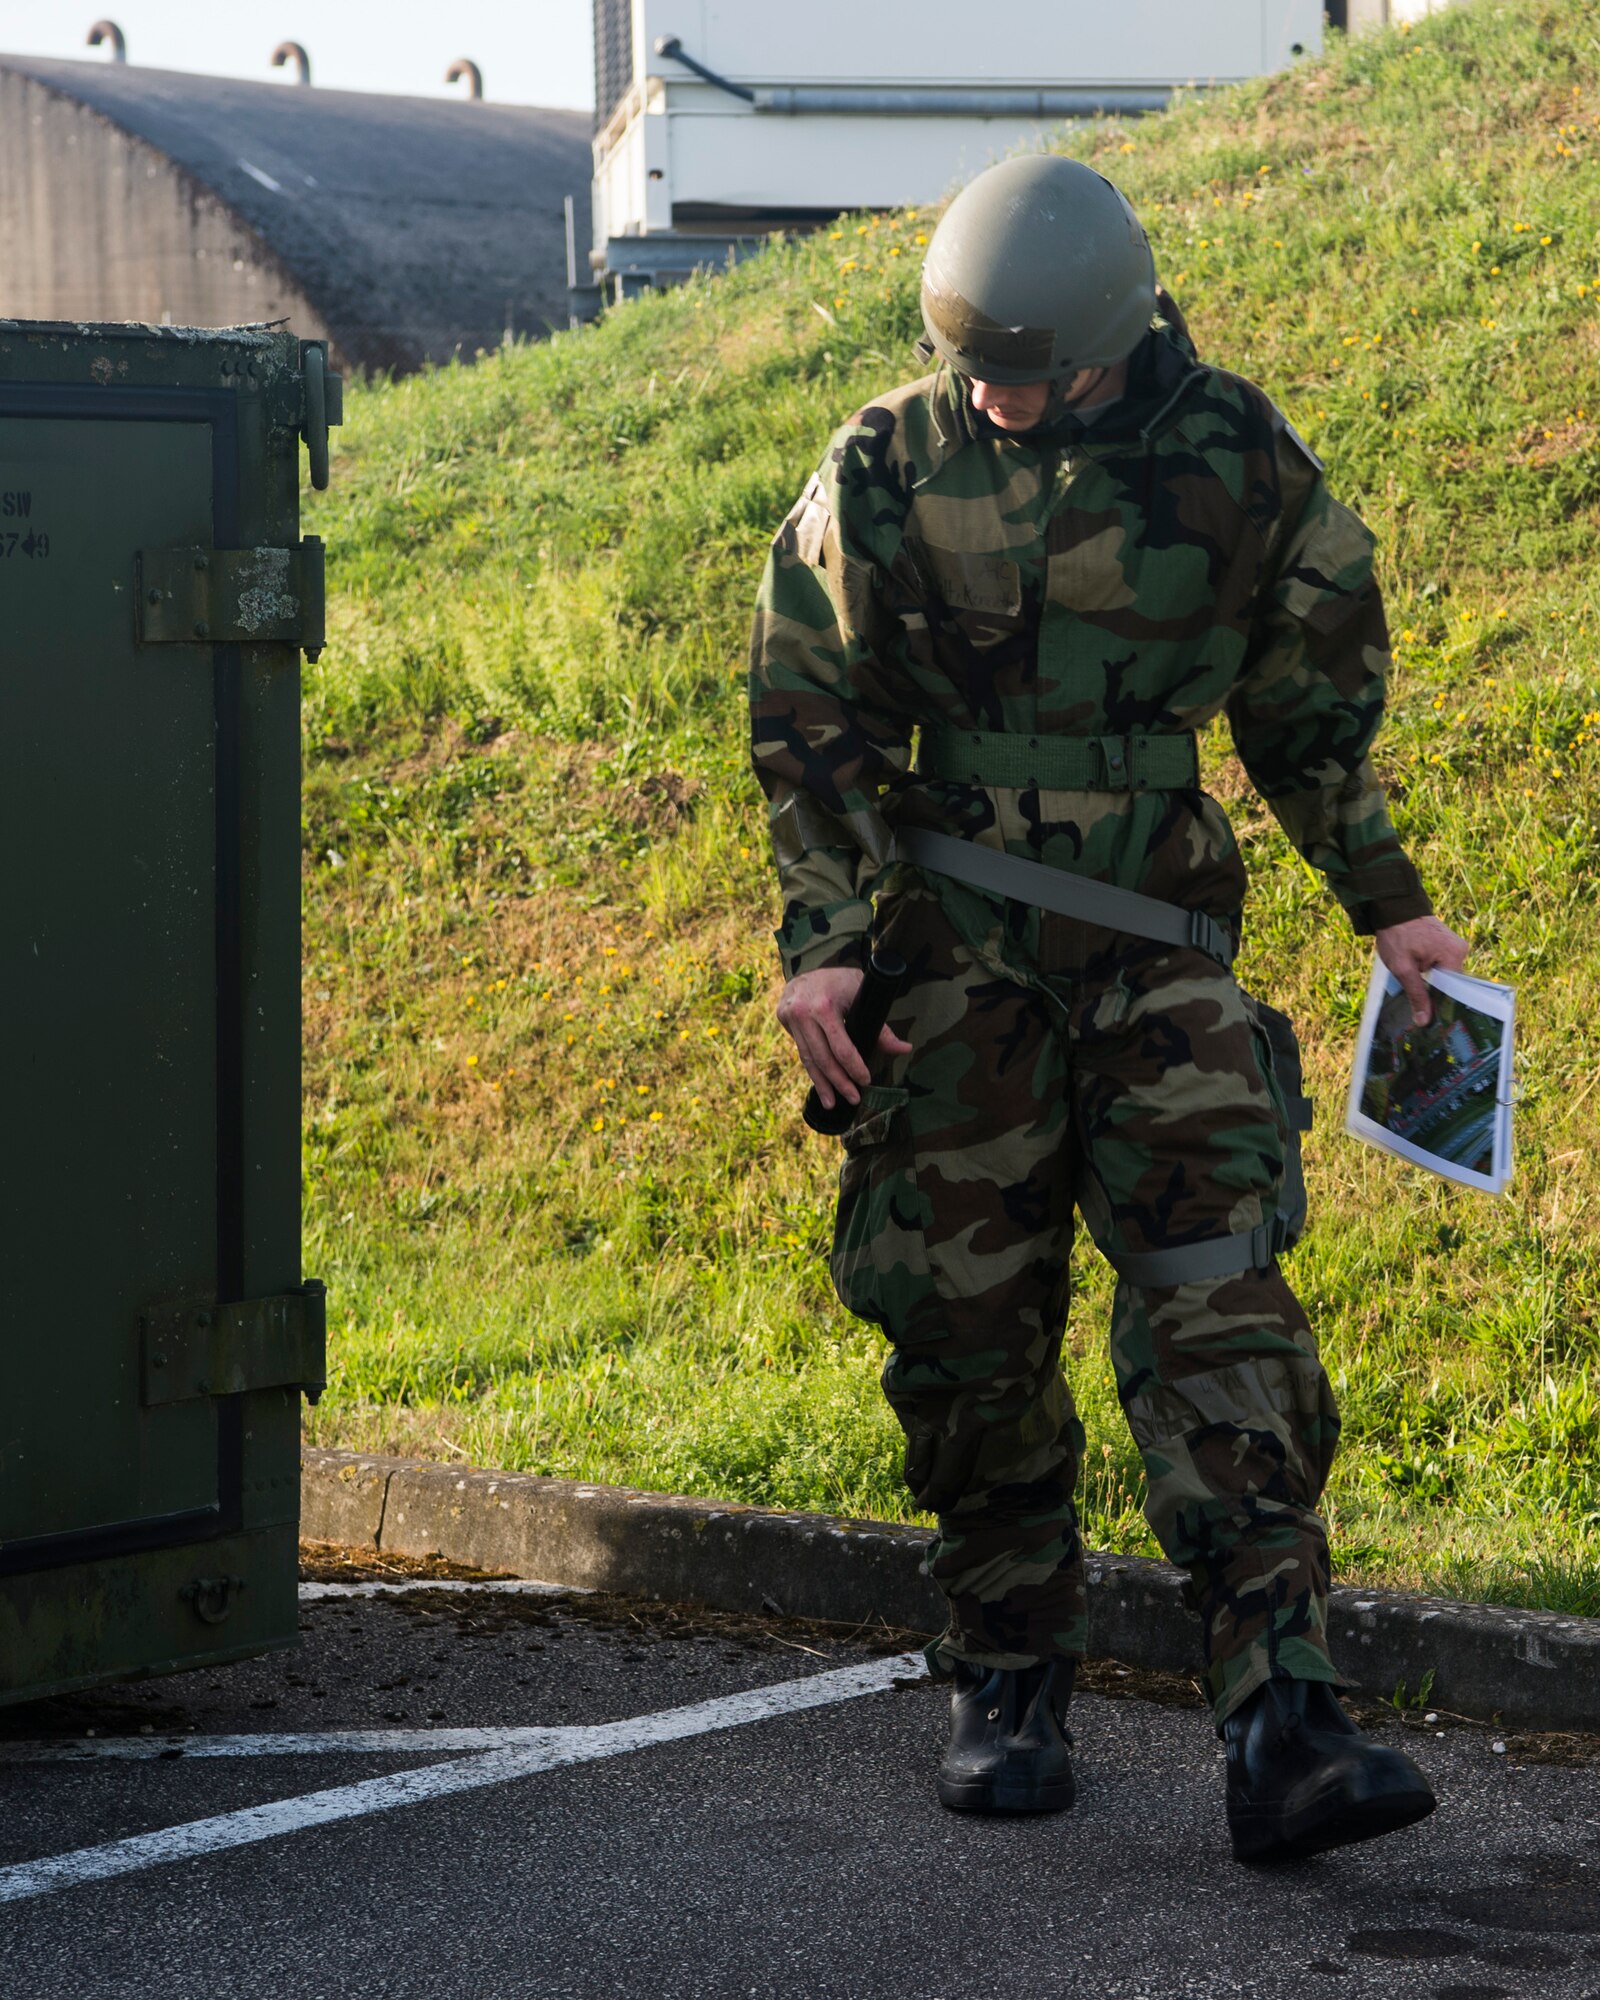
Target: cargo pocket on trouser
(1250, 1436)
(880, 1257)
(1278, 1052)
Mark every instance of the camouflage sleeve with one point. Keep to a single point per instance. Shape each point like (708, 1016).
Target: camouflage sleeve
(825, 735)
(1309, 700)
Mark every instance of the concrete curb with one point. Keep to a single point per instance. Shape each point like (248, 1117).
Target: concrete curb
(1530, 1669)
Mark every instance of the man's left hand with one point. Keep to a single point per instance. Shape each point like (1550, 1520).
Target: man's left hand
(1411, 949)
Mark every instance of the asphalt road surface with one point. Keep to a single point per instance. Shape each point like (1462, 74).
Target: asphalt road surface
(486, 1792)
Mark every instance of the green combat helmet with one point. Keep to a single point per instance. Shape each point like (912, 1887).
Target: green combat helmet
(1038, 268)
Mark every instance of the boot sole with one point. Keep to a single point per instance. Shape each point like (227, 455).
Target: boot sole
(982, 1795)
(1340, 1825)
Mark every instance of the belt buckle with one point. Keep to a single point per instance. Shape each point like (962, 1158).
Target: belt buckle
(1117, 760)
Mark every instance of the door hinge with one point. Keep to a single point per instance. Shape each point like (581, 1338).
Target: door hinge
(206, 597)
(199, 1348)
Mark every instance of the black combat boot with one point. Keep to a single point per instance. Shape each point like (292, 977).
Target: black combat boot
(1008, 1751)
(1302, 1777)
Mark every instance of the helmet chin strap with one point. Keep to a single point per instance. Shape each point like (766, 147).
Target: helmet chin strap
(1061, 404)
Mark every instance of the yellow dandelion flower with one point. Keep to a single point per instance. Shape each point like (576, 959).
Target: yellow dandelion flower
(921, 238)
(472, 1062)
(835, 235)
(655, 1117)
(597, 1124)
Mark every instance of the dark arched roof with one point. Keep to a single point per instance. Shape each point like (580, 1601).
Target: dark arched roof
(415, 226)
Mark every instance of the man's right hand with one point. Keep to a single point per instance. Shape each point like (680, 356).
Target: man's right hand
(811, 1009)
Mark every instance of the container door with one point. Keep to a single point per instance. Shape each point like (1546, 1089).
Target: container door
(154, 1332)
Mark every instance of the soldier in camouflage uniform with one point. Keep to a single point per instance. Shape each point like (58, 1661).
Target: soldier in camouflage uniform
(1050, 562)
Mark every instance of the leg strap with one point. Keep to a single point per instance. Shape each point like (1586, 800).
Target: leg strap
(1218, 1257)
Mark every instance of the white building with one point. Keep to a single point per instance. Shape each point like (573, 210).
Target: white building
(719, 120)
(1356, 15)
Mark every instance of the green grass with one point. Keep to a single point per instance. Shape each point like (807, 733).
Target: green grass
(555, 1173)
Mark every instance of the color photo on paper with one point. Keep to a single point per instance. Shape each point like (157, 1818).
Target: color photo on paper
(1438, 1086)
(1439, 1095)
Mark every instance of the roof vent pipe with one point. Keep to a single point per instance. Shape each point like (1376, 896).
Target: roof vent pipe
(108, 31)
(464, 66)
(292, 52)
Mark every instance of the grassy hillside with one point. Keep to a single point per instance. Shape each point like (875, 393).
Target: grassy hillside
(555, 1173)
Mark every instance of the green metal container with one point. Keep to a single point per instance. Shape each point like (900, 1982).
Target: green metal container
(155, 1332)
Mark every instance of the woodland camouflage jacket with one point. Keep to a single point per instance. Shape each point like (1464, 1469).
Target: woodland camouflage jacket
(1179, 558)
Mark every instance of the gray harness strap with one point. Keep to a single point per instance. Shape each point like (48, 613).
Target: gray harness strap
(1066, 895)
(1070, 895)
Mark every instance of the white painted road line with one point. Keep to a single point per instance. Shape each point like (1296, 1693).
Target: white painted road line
(404, 1788)
(504, 1586)
(275, 1743)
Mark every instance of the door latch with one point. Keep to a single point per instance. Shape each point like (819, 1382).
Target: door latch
(324, 408)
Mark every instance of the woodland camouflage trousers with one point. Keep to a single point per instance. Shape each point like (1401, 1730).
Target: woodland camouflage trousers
(1132, 1082)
